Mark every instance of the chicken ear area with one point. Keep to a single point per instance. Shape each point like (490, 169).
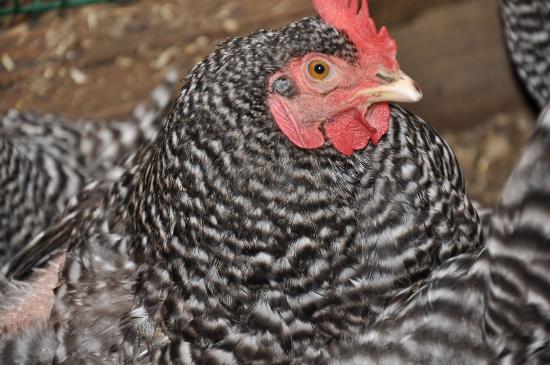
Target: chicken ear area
(308, 137)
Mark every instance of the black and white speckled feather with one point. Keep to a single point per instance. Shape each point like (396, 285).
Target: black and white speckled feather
(225, 243)
(527, 32)
(46, 159)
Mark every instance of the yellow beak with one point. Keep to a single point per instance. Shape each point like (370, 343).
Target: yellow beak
(400, 88)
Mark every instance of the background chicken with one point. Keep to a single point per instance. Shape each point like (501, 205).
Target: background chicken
(45, 160)
(527, 33)
(250, 230)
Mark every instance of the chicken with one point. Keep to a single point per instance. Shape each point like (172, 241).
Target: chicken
(283, 204)
(45, 160)
(527, 33)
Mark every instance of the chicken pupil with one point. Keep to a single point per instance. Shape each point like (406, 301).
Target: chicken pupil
(319, 69)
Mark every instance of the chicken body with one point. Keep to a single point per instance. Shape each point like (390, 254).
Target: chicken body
(224, 242)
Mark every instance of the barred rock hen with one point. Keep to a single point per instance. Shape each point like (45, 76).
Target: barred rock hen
(487, 306)
(45, 160)
(282, 205)
(527, 32)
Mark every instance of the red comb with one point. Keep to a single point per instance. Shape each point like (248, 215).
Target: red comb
(353, 18)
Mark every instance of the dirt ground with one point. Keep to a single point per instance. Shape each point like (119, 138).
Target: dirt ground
(100, 61)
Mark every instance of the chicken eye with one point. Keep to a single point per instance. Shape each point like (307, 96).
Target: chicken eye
(319, 70)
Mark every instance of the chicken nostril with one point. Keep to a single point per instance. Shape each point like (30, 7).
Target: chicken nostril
(385, 77)
(284, 86)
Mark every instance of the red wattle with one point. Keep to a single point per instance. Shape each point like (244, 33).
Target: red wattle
(349, 132)
(378, 117)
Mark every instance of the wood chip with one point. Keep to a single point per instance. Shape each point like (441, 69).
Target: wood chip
(49, 73)
(78, 76)
(92, 20)
(124, 62)
(202, 41)
(165, 58)
(8, 63)
(230, 25)
(166, 13)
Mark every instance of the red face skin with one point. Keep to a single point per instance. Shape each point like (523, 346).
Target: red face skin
(330, 108)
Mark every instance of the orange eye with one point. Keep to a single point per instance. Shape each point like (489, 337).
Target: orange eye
(319, 70)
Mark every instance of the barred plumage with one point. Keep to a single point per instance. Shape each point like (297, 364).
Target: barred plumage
(45, 160)
(225, 243)
(527, 32)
